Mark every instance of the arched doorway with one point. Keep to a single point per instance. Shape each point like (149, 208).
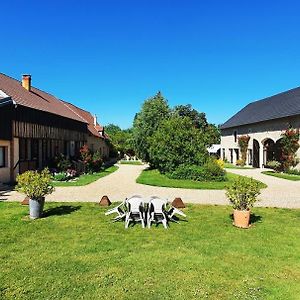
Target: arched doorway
(278, 150)
(269, 151)
(255, 154)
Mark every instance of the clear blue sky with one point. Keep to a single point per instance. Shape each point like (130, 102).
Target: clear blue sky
(109, 56)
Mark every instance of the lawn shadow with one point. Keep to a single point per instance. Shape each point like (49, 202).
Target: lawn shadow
(60, 210)
(4, 190)
(253, 218)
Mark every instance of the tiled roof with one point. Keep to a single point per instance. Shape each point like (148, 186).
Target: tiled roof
(88, 118)
(35, 98)
(282, 105)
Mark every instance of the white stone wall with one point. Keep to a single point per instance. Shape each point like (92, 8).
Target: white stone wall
(261, 132)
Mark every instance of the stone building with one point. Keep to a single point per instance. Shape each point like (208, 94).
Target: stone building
(263, 121)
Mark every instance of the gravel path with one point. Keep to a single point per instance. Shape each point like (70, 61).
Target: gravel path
(121, 184)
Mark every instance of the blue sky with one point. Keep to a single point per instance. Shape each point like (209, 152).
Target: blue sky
(109, 56)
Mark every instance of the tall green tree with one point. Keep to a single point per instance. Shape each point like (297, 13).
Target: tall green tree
(198, 118)
(153, 112)
(121, 140)
(176, 142)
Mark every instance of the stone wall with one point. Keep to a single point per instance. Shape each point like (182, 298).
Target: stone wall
(260, 131)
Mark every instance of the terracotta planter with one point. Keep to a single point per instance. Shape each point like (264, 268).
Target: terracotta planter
(241, 218)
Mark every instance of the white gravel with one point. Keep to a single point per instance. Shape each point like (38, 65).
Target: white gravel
(121, 184)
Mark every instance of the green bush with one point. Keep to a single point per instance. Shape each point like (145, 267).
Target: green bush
(243, 193)
(274, 164)
(35, 184)
(62, 163)
(293, 172)
(210, 171)
(62, 176)
(177, 142)
(240, 162)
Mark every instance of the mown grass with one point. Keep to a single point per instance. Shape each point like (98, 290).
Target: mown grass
(153, 177)
(231, 166)
(131, 162)
(86, 178)
(282, 175)
(75, 252)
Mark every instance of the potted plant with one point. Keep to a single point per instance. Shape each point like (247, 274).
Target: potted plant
(35, 185)
(243, 194)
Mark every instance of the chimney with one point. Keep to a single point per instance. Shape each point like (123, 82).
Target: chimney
(26, 82)
(95, 120)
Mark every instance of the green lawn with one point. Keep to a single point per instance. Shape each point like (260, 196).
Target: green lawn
(231, 166)
(153, 177)
(75, 252)
(130, 162)
(282, 175)
(86, 178)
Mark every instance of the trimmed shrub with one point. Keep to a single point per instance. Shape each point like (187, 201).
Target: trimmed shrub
(210, 171)
(243, 193)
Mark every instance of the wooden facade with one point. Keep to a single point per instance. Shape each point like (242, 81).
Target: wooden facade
(36, 137)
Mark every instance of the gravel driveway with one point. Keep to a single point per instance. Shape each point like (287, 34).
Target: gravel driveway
(121, 184)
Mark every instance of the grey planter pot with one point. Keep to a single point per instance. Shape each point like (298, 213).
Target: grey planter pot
(36, 207)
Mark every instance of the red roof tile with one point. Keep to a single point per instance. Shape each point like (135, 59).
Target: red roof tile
(36, 98)
(88, 118)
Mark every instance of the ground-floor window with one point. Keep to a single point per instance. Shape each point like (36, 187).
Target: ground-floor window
(2, 156)
(223, 154)
(250, 157)
(237, 154)
(231, 155)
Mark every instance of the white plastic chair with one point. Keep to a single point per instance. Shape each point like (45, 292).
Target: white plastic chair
(172, 211)
(157, 211)
(120, 210)
(134, 210)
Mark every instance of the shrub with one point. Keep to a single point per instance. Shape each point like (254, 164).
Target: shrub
(243, 193)
(177, 142)
(35, 184)
(243, 142)
(210, 171)
(240, 162)
(274, 164)
(289, 147)
(62, 163)
(92, 161)
(221, 163)
(293, 172)
(62, 176)
(96, 162)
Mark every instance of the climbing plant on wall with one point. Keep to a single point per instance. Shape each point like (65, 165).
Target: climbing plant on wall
(243, 142)
(289, 147)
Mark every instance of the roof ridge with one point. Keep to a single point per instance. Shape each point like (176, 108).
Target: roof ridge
(268, 97)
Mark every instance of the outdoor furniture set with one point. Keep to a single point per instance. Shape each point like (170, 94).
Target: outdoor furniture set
(137, 209)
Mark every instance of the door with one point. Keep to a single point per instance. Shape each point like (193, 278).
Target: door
(256, 154)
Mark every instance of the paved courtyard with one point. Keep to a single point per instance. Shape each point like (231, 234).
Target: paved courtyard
(121, 184)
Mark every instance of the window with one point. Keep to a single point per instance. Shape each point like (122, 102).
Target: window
(231, 155)
(235, 136)
(2, 157)
(223, 154)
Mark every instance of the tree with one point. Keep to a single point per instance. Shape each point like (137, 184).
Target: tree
(153, 112)
(177, 142)
(210, 131)
(121, 140)
(199, 119)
